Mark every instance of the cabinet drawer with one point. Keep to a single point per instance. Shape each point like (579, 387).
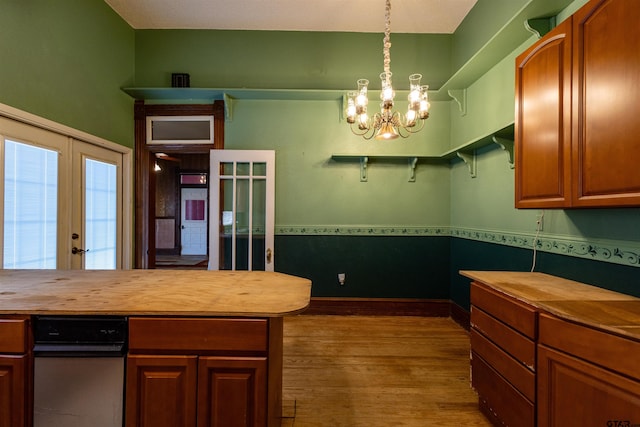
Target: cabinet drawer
(519, 316)
(513, 371)
(602, 348)
(197, 335)
(511, 341)
(511, 407)
(13, 336)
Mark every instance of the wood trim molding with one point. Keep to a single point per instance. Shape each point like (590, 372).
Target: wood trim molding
(379, 306)
(460, 316)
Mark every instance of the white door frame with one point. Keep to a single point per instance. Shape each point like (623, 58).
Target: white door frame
(241, 156)
(40, 124)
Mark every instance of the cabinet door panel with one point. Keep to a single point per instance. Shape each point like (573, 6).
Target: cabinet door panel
(12, 391)
(572, 392)
(606, 81)
(232, 391)
(543, 117)
(161, 391)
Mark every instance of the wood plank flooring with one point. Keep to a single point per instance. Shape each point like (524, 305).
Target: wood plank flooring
(351, 371)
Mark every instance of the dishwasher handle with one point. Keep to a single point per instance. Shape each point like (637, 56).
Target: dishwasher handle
(79, 350)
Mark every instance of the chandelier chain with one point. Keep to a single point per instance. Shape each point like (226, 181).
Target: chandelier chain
(387, 41)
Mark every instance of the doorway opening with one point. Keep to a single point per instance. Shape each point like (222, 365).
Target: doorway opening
(181, 211)
(172, 188)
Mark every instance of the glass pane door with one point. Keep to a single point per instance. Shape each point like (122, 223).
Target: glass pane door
(100, 215)
(242, 197)
(96, 225)
(30, 206)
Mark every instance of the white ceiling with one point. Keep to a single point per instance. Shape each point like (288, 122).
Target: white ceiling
(407, 16)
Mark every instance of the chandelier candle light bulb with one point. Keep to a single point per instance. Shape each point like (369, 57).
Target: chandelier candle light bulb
(387, 124)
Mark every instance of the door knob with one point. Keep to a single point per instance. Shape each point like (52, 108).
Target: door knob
(268, 256)
(76, 251)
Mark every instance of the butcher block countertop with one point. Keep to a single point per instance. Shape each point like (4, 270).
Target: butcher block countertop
(567, 299)
(153, 292)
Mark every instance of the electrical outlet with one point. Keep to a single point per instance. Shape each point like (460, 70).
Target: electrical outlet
(341, 278)
(539, 221)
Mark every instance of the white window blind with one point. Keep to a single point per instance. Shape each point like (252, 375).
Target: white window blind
(30, 206)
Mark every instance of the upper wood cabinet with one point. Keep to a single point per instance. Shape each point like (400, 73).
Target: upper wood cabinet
(577, 141)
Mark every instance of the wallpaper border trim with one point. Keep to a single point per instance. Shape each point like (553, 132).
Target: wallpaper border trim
(612, 251)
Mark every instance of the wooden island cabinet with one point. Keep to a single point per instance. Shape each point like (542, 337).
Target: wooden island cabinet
(15, 362)
(213, 372)
(204, 347)
(576, 126)
(547, 351)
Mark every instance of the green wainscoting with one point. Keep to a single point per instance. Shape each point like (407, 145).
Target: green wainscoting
(476, 255)
(375, 266)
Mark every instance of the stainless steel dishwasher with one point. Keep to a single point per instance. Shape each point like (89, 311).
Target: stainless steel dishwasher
(79, 371)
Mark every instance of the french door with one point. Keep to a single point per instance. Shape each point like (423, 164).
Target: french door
(242, 210)
(96, 226)
(61, 201)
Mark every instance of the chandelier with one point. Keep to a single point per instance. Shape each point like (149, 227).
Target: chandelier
(387, 124)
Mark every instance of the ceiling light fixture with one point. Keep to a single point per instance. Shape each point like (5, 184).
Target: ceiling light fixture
(388, 124)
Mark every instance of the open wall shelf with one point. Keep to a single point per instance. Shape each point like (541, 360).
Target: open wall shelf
(467, 152)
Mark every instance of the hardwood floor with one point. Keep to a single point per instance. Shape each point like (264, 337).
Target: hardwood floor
(351, 371)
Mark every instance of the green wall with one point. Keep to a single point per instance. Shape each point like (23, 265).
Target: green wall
(285, 60)
(66, 60)
(324, 215)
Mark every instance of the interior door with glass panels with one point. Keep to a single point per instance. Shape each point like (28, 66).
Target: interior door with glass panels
(242, 210)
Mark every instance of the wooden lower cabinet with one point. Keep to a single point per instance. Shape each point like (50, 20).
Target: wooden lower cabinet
(573, 392)
(185, 391)
(503, 349)
(218, 372)
(13, 405)
(590, 378)
(231, 391)
(15, 372)
(161, 391)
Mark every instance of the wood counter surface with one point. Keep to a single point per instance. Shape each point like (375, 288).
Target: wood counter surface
(567, 299)
(152, 292)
